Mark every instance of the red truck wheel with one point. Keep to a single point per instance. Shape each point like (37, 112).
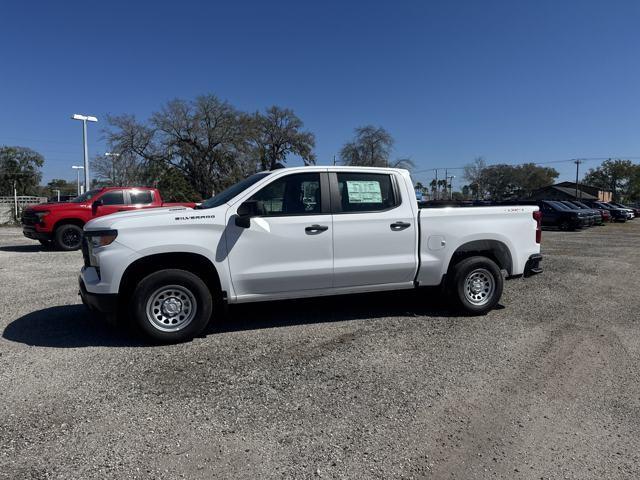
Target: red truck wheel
(68, 237)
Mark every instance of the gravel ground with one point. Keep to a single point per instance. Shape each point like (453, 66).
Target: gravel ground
(373, 386)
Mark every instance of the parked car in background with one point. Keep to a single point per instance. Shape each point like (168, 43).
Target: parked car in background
(635, 211)
(556, 214)
(602, 216)
(591, 215)
(617, 214)
(61, 223)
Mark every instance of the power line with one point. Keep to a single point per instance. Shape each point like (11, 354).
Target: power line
(569, 160)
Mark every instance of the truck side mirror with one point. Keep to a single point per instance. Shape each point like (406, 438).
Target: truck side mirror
(245, 211)
(95, 205)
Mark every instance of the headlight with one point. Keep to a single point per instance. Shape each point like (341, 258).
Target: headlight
(100, 238)
(41, 215)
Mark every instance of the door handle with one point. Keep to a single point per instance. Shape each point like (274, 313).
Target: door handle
(397, 226)
(315, 229)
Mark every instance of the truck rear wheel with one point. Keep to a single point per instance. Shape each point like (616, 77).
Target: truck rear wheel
(68, 237)
(477, 284)
(171, 306)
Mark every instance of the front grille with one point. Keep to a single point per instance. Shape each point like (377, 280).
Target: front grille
(85, 252)
(29, 218)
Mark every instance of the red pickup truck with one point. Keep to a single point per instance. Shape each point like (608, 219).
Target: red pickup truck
(61, 223)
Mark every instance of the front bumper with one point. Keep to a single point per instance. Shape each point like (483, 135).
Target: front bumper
(532, 266)
(101, 302)
(30, 231)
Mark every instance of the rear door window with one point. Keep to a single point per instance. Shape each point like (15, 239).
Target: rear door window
(366, 192)
(140, 197)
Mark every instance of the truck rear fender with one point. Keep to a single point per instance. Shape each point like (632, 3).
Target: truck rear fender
(495, 250)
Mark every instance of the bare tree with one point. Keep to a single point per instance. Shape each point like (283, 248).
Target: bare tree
(278, 133)
(124, 169)
(371, 147)
(474, 174)
(206, 139)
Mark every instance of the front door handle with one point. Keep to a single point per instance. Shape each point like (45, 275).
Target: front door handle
(397, 226)
(315, 229)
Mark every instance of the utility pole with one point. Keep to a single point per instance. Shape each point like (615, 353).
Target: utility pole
(577, 162)
(334, 160)
(58, 193)
(451, 177)
(84, 119)
(436, 193)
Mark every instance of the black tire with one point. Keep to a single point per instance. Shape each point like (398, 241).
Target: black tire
(481, 273)
(68, 237)
(564, 226)
(155, 315)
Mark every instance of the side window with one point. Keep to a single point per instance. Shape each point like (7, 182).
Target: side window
(140, 197)
(297, 194)
(366, 192)
(114, 197)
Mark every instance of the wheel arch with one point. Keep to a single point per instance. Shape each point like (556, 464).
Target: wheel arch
(191, 262)
(496, 250)
(68, 221)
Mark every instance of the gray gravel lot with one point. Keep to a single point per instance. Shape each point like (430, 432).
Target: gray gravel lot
(372, 386)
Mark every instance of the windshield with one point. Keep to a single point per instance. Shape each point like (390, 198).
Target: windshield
(559, 205)
(233, 190)
(85, 196)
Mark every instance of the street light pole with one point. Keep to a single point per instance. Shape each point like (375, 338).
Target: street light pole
(77, 168)
(85, 119)
(451, 177)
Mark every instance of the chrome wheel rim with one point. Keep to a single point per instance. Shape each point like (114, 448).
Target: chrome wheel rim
(479, 286)
(171, 308)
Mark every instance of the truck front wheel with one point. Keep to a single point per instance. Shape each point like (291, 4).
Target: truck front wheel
(477, 284)
(171, 306)
(68, 237)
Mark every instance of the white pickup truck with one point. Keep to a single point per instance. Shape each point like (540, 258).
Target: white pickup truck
(299, 232)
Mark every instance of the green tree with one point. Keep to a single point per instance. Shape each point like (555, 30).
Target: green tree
(20, 167)
(618, 176)
(507, 181)
(277, 134)
(65, 187)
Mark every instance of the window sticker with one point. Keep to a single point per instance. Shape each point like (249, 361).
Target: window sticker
(364, 192)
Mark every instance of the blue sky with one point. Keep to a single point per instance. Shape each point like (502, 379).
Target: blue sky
(513, 81)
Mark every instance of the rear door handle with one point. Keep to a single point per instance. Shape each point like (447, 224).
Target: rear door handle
(397, 226)
(314, 229)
